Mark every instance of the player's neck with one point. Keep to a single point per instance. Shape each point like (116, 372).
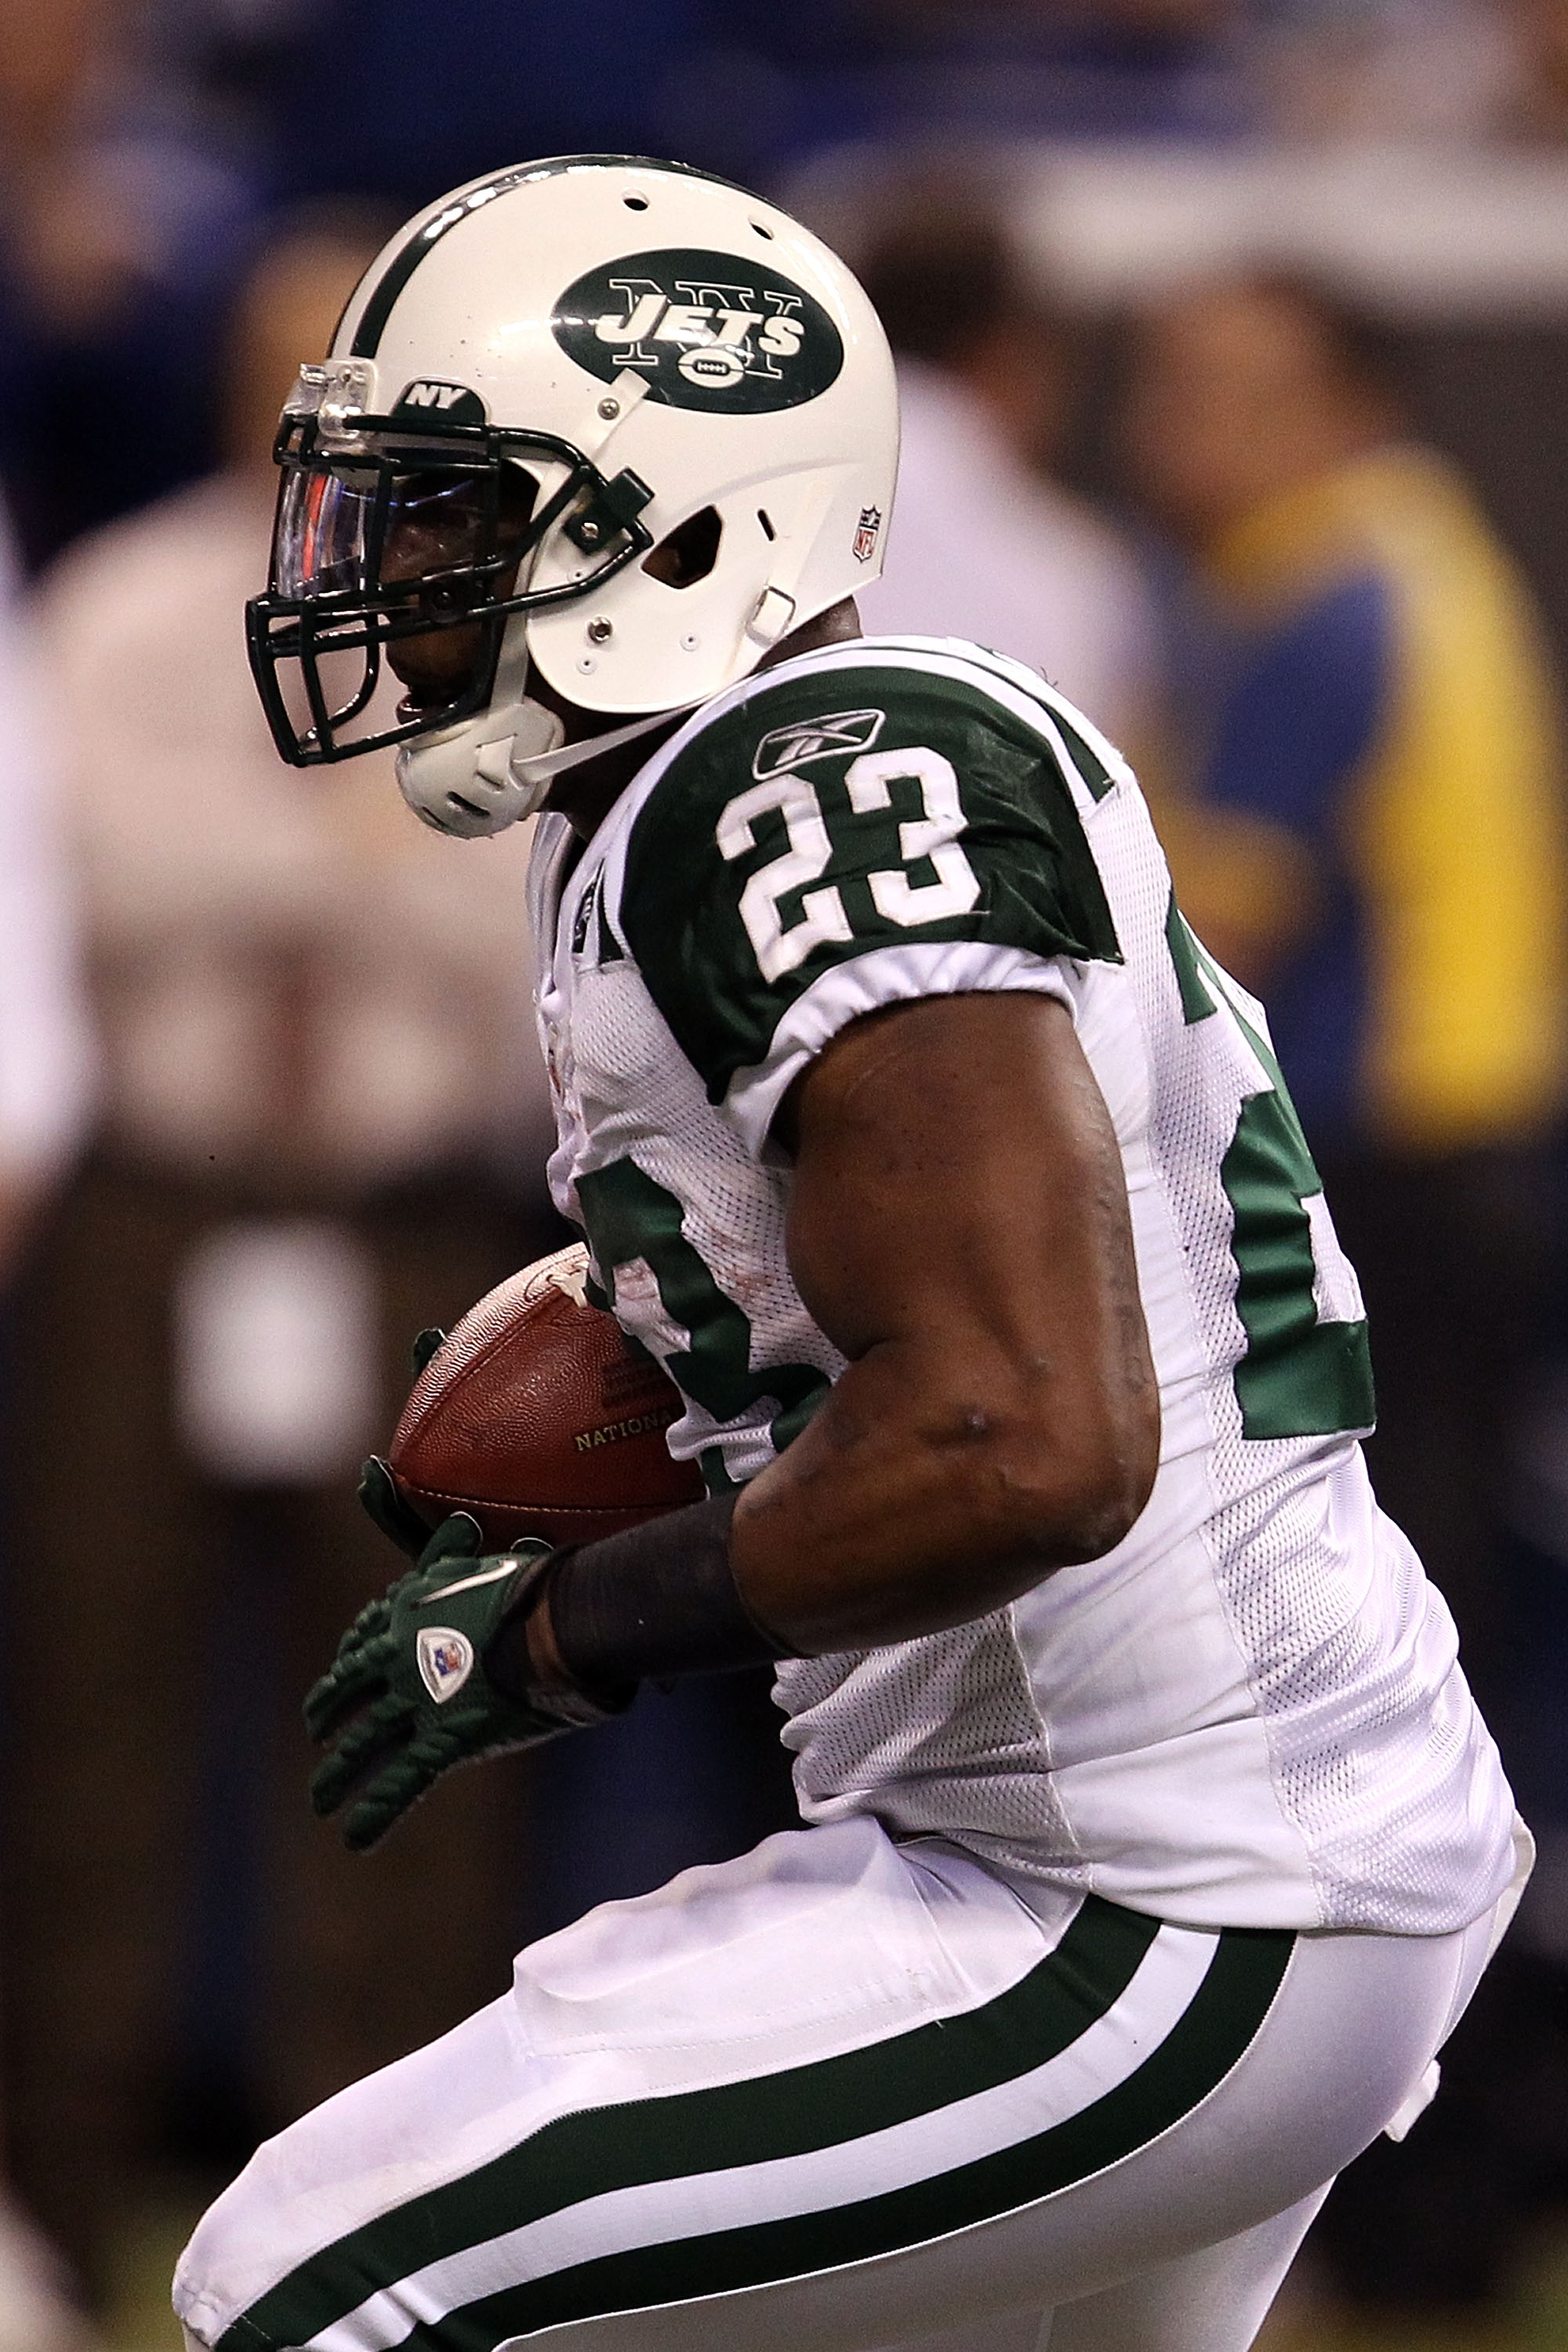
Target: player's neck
(585, 795)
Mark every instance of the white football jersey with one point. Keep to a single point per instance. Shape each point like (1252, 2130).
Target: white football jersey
(1248, 1714)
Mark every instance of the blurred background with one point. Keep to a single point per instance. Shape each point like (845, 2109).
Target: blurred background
(1233, 337)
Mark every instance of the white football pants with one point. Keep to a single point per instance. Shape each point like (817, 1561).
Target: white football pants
(840, 2093)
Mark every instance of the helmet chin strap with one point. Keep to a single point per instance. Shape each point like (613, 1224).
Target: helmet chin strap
(543, 766)
(477, 778)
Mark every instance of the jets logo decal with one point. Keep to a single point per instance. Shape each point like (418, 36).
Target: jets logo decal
(709, 330)
(446, 1661)
(429, 400)
(843, 731)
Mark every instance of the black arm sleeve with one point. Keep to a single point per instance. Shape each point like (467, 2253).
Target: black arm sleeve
(658, 1600)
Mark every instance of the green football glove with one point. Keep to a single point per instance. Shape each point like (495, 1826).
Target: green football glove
(407, 1695)
(396, 1519)
(378, 1488)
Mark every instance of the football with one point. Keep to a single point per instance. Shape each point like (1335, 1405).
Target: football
(538, 1415)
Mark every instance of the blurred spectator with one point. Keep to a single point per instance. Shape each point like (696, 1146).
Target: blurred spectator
(982, 543)
(45, 1075)
(1119, 68)
(1382, 71)
(129, 201)
(45, 1056)
(1536, 106)
(36, 2313)
(1376, 843)
(1379, 850)
(319, 1061)
(408, 98)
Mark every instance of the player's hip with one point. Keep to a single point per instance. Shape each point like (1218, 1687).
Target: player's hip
(829, 2053)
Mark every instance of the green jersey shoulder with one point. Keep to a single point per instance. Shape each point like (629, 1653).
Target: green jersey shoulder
(892, 794)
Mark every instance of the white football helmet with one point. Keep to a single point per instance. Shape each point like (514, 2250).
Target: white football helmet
(603, 421)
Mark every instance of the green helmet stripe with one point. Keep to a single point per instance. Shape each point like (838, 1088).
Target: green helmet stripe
(406, 260)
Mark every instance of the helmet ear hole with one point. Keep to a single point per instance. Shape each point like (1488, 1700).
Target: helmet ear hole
(688, 552)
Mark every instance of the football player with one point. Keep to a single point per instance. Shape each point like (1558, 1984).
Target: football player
(1153, 1841)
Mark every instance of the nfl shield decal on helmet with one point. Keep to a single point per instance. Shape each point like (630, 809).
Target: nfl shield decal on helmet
(870, 523)
(446, 1661)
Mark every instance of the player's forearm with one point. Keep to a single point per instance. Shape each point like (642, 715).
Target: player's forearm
(909, 1505)
(919, 1498)
(960, 1230)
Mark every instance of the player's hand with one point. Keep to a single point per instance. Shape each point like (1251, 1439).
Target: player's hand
(407, 1695)
(377, 1487)
(397, 1520)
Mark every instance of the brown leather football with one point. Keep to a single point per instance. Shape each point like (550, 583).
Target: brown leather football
(536, 1414)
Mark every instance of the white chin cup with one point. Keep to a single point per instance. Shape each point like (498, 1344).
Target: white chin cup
(477, 778)
(471, 780)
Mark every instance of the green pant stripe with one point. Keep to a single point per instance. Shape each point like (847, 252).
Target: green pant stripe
(789, 2113)
(1217, 2027)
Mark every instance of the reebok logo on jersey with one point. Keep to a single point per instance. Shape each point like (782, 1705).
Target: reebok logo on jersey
(446, 1661)
(840, 732)
(709, 330)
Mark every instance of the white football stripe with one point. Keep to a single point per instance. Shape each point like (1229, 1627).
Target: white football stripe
(660, 2212)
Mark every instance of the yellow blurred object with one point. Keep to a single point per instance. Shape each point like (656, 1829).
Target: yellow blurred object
(1454, 830)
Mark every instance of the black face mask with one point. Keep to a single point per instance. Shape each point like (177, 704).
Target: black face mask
(402, 554)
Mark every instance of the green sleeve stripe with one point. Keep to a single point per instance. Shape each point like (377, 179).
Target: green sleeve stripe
(1096, 776)
(1300, 1377)
(1197, 1004)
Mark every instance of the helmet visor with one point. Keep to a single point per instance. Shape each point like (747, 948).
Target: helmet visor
(333, 521)
(323, 534)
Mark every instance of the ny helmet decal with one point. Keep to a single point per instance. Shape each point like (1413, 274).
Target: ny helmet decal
(429, 401)
(708, 330)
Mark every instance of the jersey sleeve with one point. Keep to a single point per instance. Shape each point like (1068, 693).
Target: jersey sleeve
(801, 863)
